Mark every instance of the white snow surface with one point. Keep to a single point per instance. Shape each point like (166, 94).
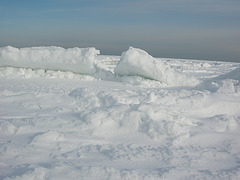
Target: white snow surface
(57, 124)
(77, 60)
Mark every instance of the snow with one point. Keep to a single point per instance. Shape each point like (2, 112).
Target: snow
(116, 124)
(50, 58)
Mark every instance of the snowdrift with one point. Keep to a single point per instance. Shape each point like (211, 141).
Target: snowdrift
(77, 60)
(136, 62)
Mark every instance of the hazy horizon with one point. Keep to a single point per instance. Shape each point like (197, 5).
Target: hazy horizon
(172, 29)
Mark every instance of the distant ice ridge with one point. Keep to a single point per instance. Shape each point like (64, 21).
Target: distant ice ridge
(77, 60)
(140, 63)
(133, 62)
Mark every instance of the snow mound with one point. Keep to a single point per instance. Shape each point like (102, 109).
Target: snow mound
(235, 74)
(77, 60)
(47, 137)
(225, 83)
(140, 63)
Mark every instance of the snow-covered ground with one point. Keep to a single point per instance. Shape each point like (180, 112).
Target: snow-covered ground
(131, 117)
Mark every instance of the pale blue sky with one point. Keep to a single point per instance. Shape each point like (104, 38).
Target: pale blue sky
(197, 29)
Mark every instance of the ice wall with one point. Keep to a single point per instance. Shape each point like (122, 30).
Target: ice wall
(138, 62)
(77, 60)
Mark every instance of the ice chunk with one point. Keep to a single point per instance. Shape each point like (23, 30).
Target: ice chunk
(140, 63)
(77, 60)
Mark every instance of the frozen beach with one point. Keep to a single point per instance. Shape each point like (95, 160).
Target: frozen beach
(76, 114)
